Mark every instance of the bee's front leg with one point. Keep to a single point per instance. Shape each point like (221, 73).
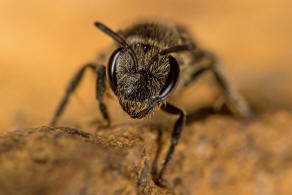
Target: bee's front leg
(178, 127)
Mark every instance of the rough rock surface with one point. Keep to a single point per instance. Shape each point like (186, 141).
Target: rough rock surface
(216, 155)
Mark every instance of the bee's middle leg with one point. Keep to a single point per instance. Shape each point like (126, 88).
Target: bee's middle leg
(235, 102)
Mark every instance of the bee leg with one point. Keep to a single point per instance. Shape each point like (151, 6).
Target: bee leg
(72, 86)
(235, 102)
(100, 89)
(197, 74)
(174, 137)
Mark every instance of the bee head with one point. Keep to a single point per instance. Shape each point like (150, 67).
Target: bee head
(142, 86)
(141, 76)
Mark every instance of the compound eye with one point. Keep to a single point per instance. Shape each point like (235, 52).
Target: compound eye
(111, 68)
(171, 80)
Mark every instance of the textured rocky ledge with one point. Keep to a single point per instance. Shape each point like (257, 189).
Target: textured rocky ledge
(216, 155)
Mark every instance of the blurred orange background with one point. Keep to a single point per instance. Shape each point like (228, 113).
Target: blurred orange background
(42, 43)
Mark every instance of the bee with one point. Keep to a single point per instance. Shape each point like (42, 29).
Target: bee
(150, 61)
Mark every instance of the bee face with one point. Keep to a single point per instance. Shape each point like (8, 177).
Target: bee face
(141, 86)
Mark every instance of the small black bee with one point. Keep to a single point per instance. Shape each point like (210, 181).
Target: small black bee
(151, 60)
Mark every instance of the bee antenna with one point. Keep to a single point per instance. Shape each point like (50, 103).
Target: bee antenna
(117, 38)
(174, 49)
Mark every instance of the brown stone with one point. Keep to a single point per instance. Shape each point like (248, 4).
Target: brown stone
(216, 155)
